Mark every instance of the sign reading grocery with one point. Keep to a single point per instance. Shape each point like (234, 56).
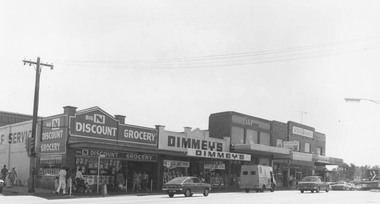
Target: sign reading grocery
(94, 124)
(135, 134)
(53, 135)
(131, 156)
(218, 155)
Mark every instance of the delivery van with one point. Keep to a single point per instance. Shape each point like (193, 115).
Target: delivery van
(257, 177)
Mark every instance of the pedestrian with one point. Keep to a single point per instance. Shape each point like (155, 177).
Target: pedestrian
(291, 181)
(136, 181)
(56, 184)
(120, 181)
(62, 181)
(13, 175)
(4, 172)
(145, 178)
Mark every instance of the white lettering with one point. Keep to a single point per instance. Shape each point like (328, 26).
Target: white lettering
(95, 129)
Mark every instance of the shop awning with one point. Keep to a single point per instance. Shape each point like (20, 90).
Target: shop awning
(296, 156)
(118, 147)
(324, 160)
(260, 149)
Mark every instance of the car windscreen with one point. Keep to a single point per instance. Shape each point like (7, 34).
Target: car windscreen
(310, 179)
(176, 180)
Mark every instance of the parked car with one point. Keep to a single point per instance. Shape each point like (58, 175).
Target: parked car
(2, 184)
(313, 183)
(186, 185)
(341, 185)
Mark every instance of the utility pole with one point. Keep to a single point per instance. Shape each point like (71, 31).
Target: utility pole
(32, 140)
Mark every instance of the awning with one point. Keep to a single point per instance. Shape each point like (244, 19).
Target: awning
(296, 156)
(260, 149)
(127, 148)
(324, 160)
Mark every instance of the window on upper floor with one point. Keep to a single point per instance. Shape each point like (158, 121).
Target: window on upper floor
(265, 138)
(307, 147)
(279, 143)
(237, 135)
(251, 137)
(319, 151)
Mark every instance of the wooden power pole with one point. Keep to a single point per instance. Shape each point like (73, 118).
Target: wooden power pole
(32, 140)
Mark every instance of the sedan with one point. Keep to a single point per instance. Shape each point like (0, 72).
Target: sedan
(341, 185)
(186, 185)
(2, 184)
(313, 183)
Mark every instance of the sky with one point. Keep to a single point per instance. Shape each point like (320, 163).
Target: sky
(175, 62)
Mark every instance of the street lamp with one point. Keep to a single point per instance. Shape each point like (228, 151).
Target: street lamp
(361, 99)
(97, 185)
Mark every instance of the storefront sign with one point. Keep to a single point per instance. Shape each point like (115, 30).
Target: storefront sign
(174, 164)
(293, 145)
(131, 156)
(140, 135)
(53, 135)
(302, 132)
(94, 124)
(249, 121)
(218, 155)
(216, 165)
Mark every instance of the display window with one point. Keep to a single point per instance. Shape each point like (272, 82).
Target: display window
(173, 169)
(50, 165)
(89, 166)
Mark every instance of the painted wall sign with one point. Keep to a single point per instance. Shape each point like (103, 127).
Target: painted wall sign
(302, 132)
(218, 155)
(250, 122)
(131, 156)
(94, 124)
(53, 135)
(135, 134)
(180, 142)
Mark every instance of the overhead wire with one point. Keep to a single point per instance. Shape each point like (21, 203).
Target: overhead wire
(238, 59)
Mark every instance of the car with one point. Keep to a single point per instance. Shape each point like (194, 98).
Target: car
(2, 184)
(313, 183)
(342, 185)
(187, 185)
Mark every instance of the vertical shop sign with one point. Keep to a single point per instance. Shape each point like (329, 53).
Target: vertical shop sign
(93, 124)
(53, 135)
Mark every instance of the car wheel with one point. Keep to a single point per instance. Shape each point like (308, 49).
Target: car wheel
(247, 190)
(317, 190)
(301, 191)
(187, 193)
(206, 192)
(171, 195)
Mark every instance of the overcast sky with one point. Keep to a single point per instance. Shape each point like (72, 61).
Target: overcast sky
(174, 62)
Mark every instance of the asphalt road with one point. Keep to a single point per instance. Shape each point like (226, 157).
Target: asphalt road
(291, 197)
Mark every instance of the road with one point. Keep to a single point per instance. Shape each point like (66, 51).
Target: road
(292, 197)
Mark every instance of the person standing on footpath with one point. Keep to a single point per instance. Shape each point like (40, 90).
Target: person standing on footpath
(62, 181)
(4, 172)
(13, 175)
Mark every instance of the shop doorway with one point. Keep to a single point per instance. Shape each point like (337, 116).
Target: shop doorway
(134, 172)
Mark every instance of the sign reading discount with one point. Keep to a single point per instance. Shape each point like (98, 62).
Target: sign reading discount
(93, 124)
(53, 135)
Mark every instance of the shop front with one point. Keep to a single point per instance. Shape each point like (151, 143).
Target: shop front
(202, 156)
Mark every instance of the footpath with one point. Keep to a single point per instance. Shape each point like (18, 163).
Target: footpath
(49, 194)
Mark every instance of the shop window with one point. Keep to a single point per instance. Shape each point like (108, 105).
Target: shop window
(307, 147)
(265, 138)
(174, 169)
(279, 143)
(251, 137)
(237, 135)
(50, 165)
(319, 151)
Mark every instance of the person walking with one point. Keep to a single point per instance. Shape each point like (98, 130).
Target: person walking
(145, 178)
(13, 175)
(62, 181)
(4, 172)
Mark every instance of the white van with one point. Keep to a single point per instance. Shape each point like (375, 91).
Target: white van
(257, 177)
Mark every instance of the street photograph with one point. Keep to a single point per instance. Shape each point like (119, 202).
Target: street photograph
(189, 101)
